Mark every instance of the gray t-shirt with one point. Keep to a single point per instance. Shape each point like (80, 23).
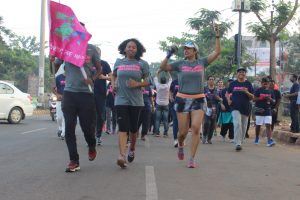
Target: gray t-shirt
(190, 75)
(74, 77)
(125, 69)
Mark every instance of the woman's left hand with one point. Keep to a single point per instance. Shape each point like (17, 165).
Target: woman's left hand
(132, 83)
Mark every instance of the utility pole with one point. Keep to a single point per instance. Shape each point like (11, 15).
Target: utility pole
(240, 6)
(271, 31)
(42, 54)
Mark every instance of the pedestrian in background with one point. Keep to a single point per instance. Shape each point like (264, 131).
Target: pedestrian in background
(239, 95)
(100, 90)
(264, 99)
(294, 109)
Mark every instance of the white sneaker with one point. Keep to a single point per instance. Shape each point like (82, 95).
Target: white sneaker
(176, 143)
(223, 139)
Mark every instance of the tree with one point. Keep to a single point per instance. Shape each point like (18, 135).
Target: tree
(270, 29)
(17, 61)
(202, 33)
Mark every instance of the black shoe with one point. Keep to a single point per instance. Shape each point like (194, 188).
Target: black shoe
(59, 133)
(130, 156)
(238, 148)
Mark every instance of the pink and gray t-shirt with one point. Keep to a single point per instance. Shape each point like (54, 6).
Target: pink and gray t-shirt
(125, 69)
(190, 75)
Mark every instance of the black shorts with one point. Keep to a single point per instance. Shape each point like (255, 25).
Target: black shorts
(187, 105)
(128, 117)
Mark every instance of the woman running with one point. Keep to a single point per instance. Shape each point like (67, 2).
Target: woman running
(190, 99)
(130, 74)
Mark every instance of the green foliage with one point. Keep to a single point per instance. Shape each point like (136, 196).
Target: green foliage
(203, 34)
(293, 45)
(17, 61)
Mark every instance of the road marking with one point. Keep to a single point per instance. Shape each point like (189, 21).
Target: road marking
(32, 131)
(147, 142)
(151, 189)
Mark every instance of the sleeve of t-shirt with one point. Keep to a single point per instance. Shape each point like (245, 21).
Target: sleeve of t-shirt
(145, 71)
(256, 93)
(95, 56)
(296, 87)
(175, 65)
(116, 67)
(230, 88)
(250, 88)
(204, 61)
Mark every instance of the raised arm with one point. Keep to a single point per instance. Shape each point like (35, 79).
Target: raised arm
(214, 55)
(165, 66)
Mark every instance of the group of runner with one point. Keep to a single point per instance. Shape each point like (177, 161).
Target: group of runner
(193, 103)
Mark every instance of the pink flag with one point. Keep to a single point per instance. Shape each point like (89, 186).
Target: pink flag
(68, 38)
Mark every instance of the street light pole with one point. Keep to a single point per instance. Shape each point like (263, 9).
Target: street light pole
(240, 6)
(42, 53)
(239, 46)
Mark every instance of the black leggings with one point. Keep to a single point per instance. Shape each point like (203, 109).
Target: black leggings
(128, 117)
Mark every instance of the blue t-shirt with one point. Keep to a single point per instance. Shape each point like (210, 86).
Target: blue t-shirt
(100, 84)
(147, 95)
(294, 88)
(60, 83)
(240, 100)
(262, 103)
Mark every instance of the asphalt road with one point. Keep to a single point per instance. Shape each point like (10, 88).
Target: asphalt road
(33, 160)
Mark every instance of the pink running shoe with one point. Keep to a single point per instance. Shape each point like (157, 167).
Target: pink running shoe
(191, 163)
(180, 153)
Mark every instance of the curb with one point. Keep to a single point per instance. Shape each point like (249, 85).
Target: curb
(287, 137)
(40, 112)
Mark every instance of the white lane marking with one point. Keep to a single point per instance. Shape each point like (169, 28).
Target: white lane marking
(151, 188)
(32, 131)
(147, 142)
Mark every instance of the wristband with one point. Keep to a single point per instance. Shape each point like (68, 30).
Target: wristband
(169, 54)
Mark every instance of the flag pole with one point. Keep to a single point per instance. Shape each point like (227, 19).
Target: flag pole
(85, 77)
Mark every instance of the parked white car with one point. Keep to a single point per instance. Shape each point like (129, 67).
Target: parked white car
(14, 104)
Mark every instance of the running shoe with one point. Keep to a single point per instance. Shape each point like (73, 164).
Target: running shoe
(59, 133)
(73, 166)
(62, 137)
(122, 162)
(270, 143)
(256, 141)
(209, 142)
(223, 138)
(99, 141)
(191, 163)
(92, 154)
(238, 147)
(143, 138)
(203, 139)
(180, 153)
(130, 156)
(176, 143)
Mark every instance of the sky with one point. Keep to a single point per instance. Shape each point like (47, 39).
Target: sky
(113, 21)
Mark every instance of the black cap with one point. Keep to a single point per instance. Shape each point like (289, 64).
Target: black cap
(241, 69)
